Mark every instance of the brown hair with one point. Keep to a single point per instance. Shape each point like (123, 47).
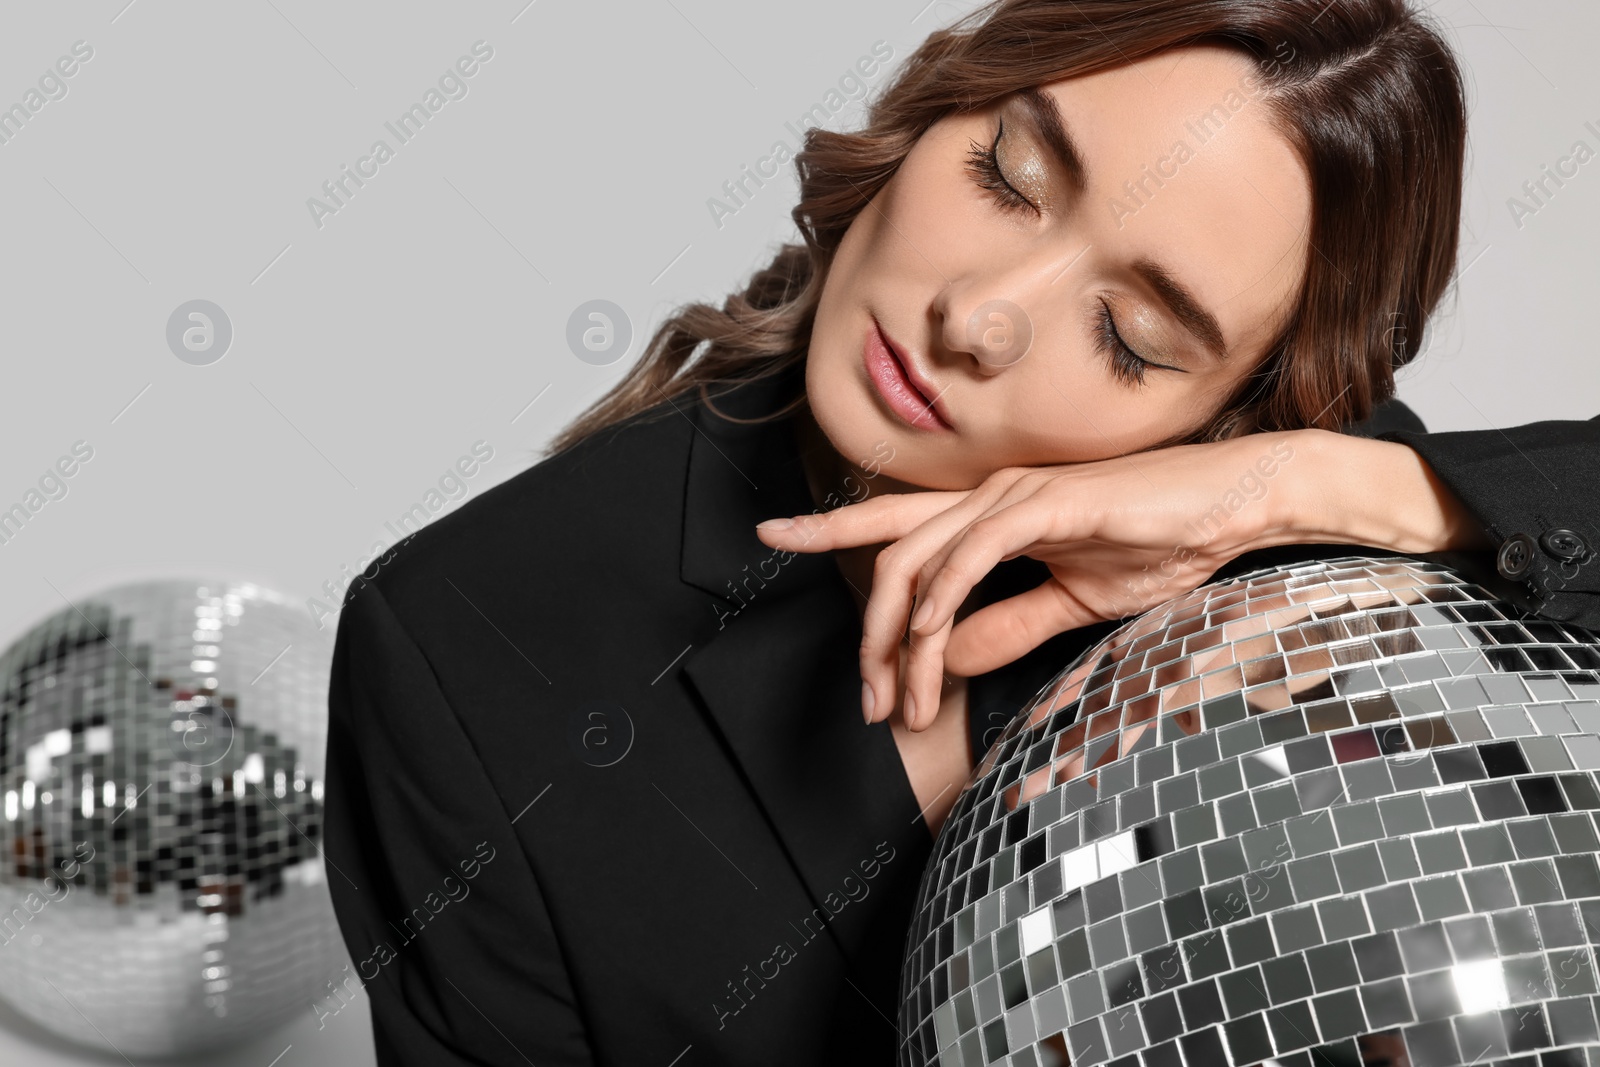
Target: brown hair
(1366, 91)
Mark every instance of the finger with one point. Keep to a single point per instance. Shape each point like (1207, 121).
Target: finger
(894, 572)
(883, 625)
(1008, 629)
(925, 679)
(1004, 532)
(876, 520)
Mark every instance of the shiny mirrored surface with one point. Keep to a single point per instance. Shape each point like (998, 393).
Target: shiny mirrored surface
(1339, 812)
(161, 758)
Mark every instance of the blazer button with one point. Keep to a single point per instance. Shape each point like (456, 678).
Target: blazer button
(1515, 558)
(1564, 544)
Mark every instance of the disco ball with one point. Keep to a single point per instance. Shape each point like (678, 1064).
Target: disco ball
(1332, 813)
(161, 756)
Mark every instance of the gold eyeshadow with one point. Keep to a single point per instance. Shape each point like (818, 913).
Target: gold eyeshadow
(1024, 168)
(1143, 328)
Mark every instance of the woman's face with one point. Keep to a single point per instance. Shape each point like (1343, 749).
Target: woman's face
(1183, 230)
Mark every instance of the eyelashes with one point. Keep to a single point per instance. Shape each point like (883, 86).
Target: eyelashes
(1124, 363)
(983, 164)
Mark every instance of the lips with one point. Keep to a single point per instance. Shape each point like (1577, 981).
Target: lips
(891, 371)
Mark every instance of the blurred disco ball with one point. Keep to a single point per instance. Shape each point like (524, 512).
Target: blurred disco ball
(161, 753)
(1332, 813)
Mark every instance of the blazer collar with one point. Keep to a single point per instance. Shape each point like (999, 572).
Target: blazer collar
(781, 680)
(738, 471)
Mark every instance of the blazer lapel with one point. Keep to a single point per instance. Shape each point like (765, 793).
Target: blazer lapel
(781, 678)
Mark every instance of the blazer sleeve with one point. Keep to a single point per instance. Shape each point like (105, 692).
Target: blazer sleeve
(444, 920)
(1536, 489)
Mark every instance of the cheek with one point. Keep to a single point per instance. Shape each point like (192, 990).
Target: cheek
(830, 387)
(1059, 405)
(843, 408)
(931, 212)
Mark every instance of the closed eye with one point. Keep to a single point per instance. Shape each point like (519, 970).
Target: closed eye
(1125, 362)
(984, 166)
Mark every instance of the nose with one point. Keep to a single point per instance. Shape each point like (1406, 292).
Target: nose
(995, 312)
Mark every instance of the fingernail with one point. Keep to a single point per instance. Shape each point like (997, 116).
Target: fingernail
(775, 524)
(867, 700)
(923, 614)
(911, 708)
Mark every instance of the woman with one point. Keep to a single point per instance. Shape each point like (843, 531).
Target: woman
(1159, 253)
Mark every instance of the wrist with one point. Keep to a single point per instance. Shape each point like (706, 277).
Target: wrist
(1362, 491)
(1299, 509)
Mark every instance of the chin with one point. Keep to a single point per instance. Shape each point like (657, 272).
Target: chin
(894, 457)
(855, 431)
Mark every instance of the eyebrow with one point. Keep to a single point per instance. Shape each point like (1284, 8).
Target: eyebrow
(1046, 118)
(1189, 312)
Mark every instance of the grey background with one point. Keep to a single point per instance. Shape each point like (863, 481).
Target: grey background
(431, 311)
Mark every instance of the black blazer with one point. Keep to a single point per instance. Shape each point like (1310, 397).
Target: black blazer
(598, 790)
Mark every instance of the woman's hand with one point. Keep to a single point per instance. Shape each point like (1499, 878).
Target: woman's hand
(1119, 535)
